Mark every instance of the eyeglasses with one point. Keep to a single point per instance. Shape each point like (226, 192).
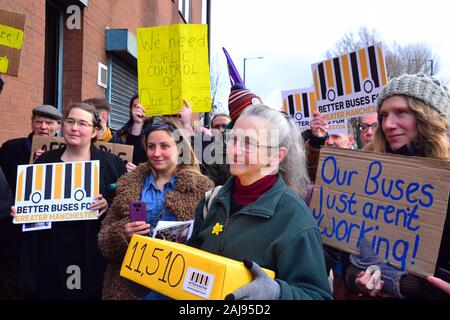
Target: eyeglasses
(248, 144)
(80, 123)
(365, 126)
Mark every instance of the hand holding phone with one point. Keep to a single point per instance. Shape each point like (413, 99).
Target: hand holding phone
(138, 211)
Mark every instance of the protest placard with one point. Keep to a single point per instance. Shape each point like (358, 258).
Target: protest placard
(300, 105)
(347, 86)
(172, 66)
(12, 27)
(56, 191)
(397, 203)
(45, 143)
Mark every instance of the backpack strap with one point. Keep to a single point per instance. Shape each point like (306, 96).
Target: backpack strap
(209, 197)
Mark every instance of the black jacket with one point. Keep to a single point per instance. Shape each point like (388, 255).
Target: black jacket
(6, 198)
(123, 136)
(49, 257)
(12, 153)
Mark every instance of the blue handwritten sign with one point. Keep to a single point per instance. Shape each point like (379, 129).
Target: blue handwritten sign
(397, 203)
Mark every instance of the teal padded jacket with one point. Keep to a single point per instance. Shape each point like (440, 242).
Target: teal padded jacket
(276, 231)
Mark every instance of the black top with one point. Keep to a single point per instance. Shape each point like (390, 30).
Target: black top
(13, 153)
(68, 253)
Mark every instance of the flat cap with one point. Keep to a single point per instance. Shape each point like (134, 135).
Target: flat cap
(48, 111)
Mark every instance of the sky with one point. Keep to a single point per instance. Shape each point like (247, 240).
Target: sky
(291, 35)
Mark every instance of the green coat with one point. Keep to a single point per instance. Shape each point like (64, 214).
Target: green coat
(276, 231)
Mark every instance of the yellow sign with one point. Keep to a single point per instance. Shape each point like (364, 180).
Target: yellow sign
(4, 63)
(56, 191)
(182, 272)
(12, 26)
(11, 37)
(172, 66)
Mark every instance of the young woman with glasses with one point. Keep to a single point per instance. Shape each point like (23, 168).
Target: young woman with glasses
(49, 257)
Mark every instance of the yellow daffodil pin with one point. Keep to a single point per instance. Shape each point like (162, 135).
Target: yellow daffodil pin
(218, 228)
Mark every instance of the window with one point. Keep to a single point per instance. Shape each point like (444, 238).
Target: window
(184, 7)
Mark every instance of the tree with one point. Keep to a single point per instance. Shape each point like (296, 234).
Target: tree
(217, 82)
(411, 58)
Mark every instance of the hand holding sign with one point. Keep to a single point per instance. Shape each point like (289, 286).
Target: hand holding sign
(13, 212)
(137, 112)
(369, 281)
(99, 204)
(319, 126)
(186, 116)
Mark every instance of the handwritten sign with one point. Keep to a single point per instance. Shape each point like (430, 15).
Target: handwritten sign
(123, 151)
(172, 66)
(347, 86)
(56, 191)
(182, 272)
(397, 203)
(12, 26)
(300, 105)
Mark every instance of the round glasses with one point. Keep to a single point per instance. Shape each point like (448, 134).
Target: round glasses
(365, 126)
(80, 123)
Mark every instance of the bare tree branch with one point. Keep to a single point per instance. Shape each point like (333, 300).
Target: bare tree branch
(411, 58)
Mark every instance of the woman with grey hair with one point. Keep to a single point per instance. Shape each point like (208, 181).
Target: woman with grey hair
(259, 216)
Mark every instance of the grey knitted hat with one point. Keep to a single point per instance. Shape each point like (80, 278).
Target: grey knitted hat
(419, 86)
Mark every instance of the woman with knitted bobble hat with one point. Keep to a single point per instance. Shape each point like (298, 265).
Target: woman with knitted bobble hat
(413, 114)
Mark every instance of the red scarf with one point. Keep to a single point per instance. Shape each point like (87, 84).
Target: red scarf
(244, 195)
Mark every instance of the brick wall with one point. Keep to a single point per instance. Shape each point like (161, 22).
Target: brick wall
(83, 49)
(20, 94)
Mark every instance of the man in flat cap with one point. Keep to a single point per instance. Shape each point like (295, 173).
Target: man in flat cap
(45, 121)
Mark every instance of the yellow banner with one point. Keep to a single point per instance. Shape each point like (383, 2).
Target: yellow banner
(11, 37)
(172, 66)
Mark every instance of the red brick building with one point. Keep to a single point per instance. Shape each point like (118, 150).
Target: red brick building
(67, 42)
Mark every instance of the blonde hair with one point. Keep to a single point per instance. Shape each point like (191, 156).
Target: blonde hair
(189, 161)
(433, 140)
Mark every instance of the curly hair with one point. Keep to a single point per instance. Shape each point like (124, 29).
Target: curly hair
(432, 141)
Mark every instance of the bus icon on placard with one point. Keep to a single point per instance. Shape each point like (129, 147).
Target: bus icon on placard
(357, 72)
(57, 181)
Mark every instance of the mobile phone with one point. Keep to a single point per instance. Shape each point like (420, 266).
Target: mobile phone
(138, 211)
